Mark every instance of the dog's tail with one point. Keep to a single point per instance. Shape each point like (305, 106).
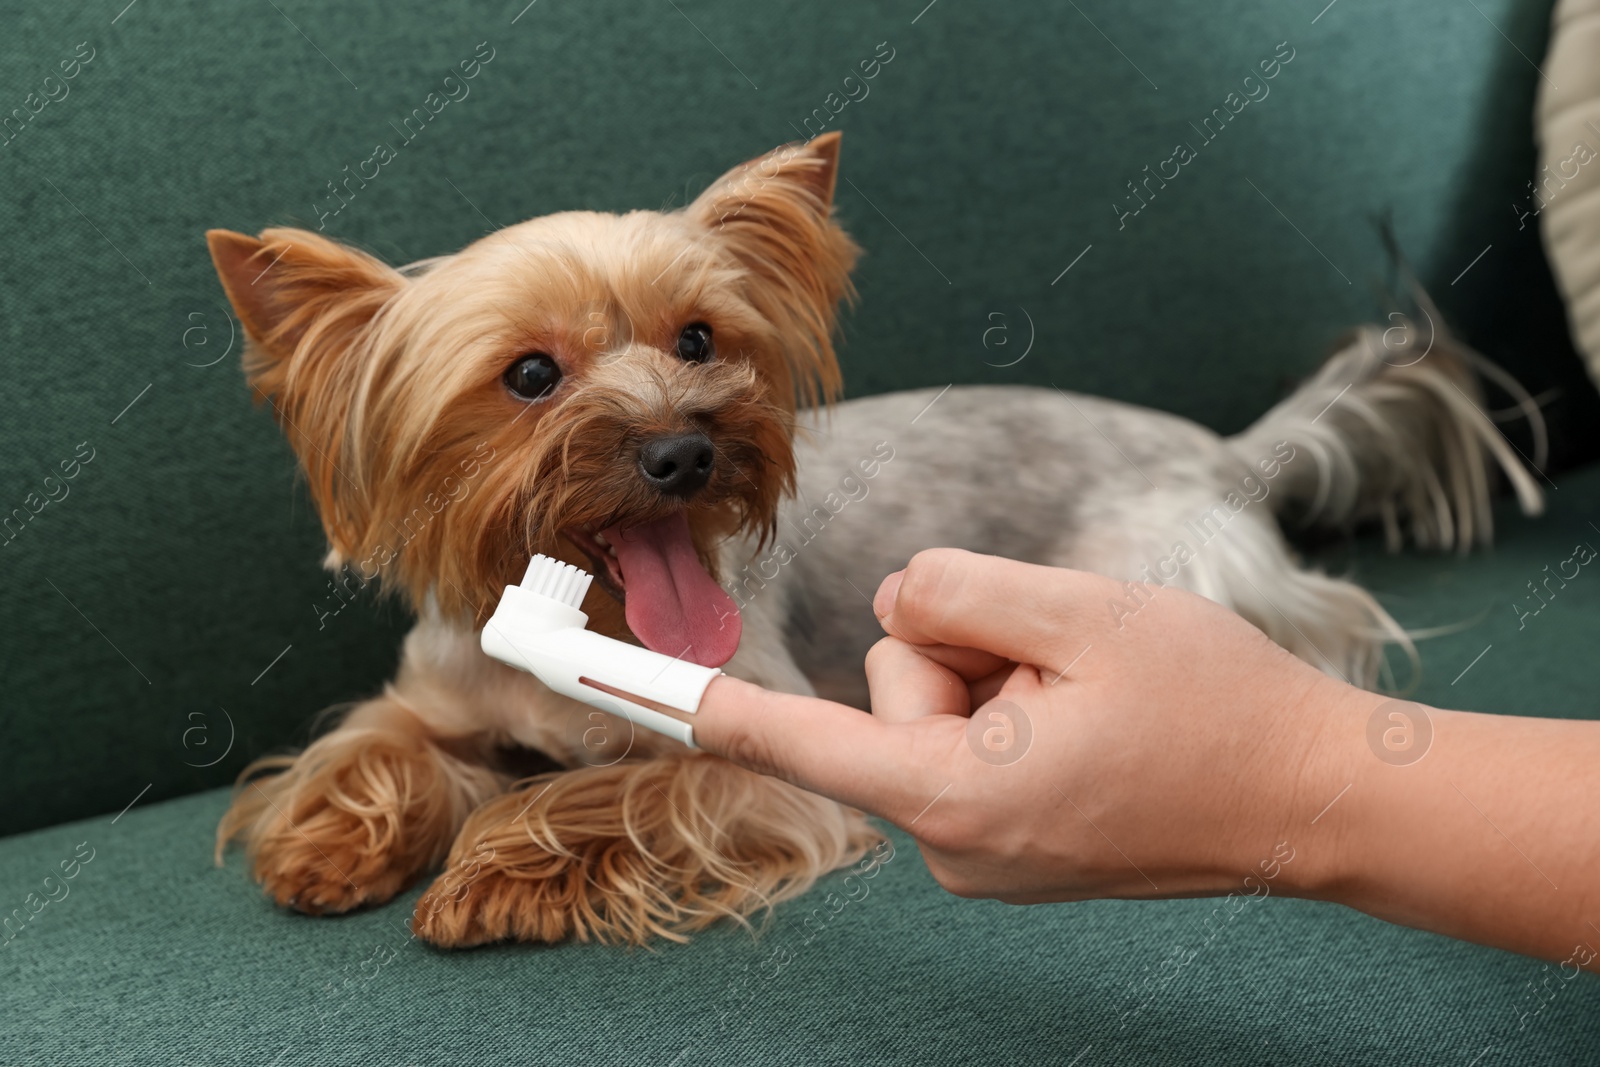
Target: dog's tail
(1392, 428)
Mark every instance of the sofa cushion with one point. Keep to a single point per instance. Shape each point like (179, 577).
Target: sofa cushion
(1560, 199)
(153, 956)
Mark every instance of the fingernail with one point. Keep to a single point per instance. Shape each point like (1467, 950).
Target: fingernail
(883, 602)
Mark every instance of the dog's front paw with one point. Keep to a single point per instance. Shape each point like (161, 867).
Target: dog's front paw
(540, 902)
(514, 876)
(325, 863)
(354, 819)
(632, 852)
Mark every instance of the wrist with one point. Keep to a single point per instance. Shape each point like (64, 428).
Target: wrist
(1327, 765)
(1475, 826)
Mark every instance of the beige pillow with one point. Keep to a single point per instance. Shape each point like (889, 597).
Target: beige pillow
(1564, 197)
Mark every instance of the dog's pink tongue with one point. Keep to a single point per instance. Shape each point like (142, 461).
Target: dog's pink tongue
(671, 600)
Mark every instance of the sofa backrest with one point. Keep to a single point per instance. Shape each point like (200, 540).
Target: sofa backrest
(1167, 204)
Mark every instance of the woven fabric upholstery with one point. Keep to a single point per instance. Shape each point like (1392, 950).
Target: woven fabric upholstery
(161, 613)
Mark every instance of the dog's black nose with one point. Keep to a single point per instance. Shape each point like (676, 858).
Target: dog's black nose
(678, 464)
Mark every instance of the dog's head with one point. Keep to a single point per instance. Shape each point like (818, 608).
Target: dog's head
(621, 387)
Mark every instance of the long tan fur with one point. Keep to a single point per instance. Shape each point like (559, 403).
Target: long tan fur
(358, 815)
(435, 482)
(640, 850)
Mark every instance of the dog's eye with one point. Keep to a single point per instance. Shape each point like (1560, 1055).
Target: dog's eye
(694, 344)
(533, 377)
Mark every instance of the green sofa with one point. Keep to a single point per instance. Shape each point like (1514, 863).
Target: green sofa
(164, 615)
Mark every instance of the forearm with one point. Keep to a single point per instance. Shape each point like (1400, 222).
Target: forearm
(1491, 836)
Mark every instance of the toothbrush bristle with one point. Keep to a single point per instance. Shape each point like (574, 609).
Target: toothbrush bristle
(559, 581)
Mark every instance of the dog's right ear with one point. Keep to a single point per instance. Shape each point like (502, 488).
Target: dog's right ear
(306, 304)
(302, 299)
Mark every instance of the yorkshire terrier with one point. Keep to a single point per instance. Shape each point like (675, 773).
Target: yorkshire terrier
(651, 396)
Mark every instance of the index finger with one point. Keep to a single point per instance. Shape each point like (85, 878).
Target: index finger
(827, 748)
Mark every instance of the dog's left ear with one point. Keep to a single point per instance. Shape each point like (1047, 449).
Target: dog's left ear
(775, 215)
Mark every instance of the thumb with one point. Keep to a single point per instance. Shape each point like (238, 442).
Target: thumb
(1021, 612)
(823, 747)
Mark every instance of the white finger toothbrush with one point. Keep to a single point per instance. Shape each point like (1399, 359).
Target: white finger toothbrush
(537, 627)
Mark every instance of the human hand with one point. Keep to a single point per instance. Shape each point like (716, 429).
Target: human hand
(1166, 749)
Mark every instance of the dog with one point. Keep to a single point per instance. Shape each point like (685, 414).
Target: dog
(653, 396)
